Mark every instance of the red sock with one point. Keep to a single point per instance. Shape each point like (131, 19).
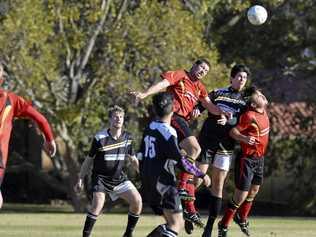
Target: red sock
(183, 179)
(244, 210)
(189, 205)
(228, 216)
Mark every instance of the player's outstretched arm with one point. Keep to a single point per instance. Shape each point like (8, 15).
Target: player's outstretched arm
(151, 90)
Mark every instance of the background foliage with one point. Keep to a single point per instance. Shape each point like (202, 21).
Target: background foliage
(74, 59)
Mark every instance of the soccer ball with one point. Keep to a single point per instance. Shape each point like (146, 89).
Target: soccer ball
(257, 15)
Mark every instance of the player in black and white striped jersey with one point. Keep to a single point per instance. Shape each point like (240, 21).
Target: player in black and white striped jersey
(159, 155)
(107, 157)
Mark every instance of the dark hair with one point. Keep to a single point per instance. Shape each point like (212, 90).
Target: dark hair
(114, 109)
(202, 60)
(239, 68)
(163, 103)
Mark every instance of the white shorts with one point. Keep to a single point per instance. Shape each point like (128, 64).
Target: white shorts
(222, 161)
(121, 188)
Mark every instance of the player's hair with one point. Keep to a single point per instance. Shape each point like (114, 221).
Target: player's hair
(239, 68)
(252, 95)
(202, 60)
(163, 103)
(115, 108)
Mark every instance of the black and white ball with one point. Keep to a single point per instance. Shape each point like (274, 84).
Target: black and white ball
(257, 15)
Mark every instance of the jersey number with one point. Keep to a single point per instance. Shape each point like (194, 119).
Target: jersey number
(150, 146)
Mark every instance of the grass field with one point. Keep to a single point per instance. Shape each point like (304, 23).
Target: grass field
(14, 224)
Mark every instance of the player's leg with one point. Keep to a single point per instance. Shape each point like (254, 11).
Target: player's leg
(218, 176)
(133, 198)
(175, 223)
(96, 208)
(172, 212)
(1, 179)
(243, 177)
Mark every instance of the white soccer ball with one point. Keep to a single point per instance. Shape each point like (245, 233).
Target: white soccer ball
(257, 15)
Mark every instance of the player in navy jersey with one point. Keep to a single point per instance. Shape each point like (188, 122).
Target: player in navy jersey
(217, 146)
(110, 150)
(159, 155)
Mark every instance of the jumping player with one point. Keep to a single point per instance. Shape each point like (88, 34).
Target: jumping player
(187, 90)
(252, 131)
(217, 146)
(108, 154)
(160, 155)
(13, 106)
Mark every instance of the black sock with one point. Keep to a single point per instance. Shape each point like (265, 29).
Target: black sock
(131, 223)
(169, 233)
(88, 225)
(214, 210)
(157, 232)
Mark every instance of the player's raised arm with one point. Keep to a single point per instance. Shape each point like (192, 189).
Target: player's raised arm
(151, 90)
(24, 109)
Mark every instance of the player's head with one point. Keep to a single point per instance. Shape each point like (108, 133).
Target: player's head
(200, 68)
(256, 99)
(163, 104)
(116, 116)
(238, 76)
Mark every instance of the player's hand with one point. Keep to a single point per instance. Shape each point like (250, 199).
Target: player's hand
(251, 140)
(50, 148)
(79, 186)
(195, 113)
(207, 180)
(138, 95)
(223, 120)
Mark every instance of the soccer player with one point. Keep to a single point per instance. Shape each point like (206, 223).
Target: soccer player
(110, 150)
(13, 106)
(217, 146)
(252, 131)
(160, 155)
(187, 90)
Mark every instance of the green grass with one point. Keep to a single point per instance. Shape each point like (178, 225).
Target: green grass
(112, 225)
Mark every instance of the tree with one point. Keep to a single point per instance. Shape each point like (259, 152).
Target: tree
(75, 58)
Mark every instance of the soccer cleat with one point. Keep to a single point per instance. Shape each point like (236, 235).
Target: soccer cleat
(244, 225)
(193, 218)
(222, 230)
(183, 194)
(188, 227)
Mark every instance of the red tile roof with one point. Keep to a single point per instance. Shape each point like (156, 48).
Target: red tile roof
(293, 119)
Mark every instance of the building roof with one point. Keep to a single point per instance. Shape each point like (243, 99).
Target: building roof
(293, 119)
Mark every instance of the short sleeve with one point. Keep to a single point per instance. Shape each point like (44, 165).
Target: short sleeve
(244, 121)
(203, 92)
(172, 76)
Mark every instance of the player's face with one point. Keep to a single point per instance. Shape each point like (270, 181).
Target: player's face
(117, 120)
(200, 70)
(260, 100)
(239, 81)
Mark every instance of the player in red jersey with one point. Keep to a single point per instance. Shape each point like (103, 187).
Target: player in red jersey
(13, 106)
(187, 90)
(252, 131)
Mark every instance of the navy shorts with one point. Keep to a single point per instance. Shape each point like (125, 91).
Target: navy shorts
(161, 196)
(181, 126)
(248, 171)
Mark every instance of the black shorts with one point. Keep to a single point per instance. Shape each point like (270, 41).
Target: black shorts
(214, 140)
(160, 197)
(101, 183)
(181, 126)
(248, 171)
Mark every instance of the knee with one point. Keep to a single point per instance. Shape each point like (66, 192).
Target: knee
(136, 205)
